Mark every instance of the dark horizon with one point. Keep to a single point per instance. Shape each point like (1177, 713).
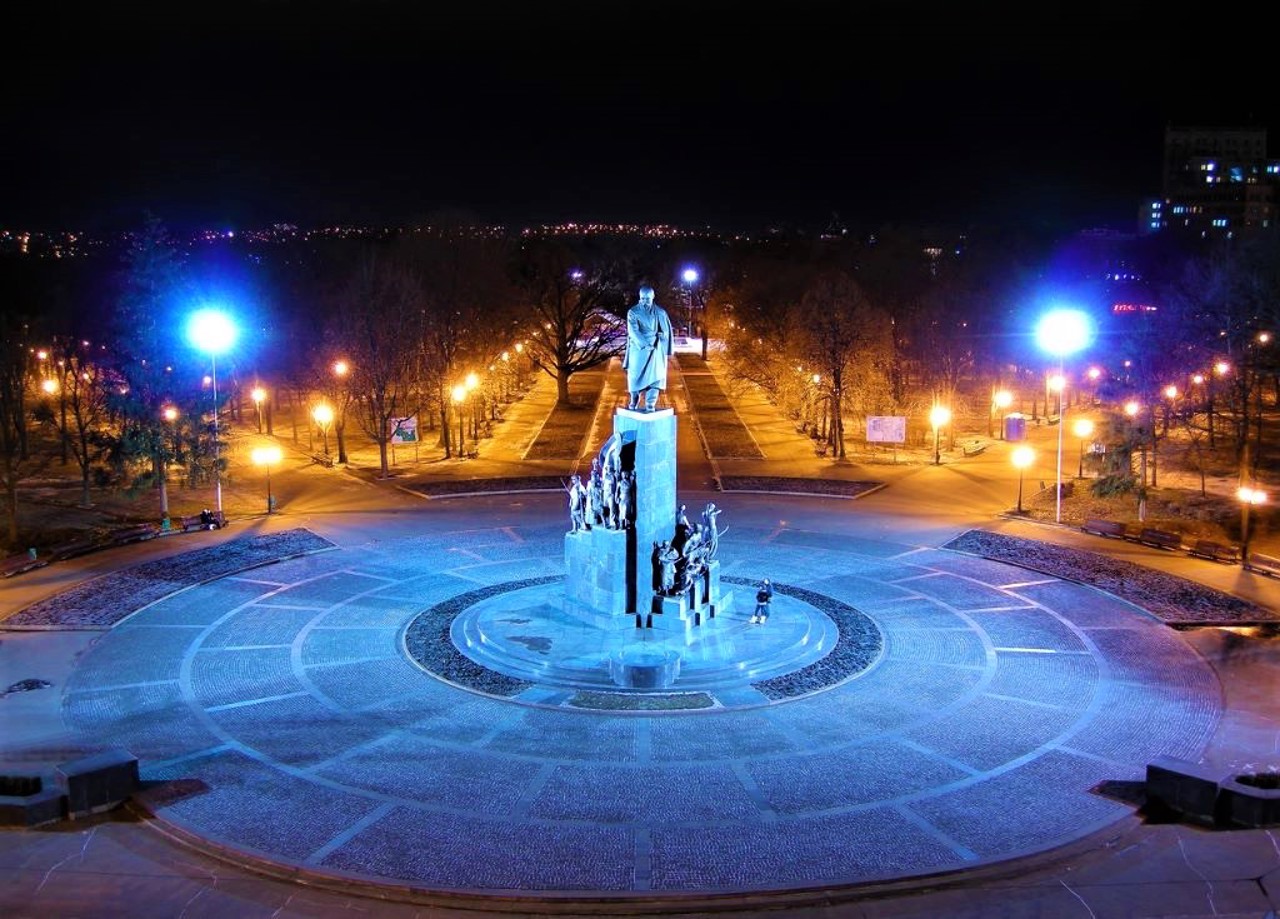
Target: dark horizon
(271, 112)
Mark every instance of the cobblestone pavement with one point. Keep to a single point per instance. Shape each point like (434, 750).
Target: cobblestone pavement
(298, 733)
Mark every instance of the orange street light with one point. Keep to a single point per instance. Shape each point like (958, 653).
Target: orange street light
(1082, 429)
(939, 415)
(267, 456)
(1022, 458)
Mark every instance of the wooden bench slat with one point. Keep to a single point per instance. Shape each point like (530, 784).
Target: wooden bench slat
(1214, 551)
(1105, 527)
(1160, 539)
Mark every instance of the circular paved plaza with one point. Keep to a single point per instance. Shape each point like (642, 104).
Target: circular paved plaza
(283, 705)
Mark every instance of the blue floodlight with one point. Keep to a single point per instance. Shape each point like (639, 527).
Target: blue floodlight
(211, 331)
(690, 275)
(1064, 331)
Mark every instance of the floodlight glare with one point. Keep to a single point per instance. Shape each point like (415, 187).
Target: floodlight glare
(211, 331)
(690, 275)
(1062, 332)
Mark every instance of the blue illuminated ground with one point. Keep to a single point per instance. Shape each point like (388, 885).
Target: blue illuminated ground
(308, 738)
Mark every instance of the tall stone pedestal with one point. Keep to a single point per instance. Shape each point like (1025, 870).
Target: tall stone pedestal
(611, 571)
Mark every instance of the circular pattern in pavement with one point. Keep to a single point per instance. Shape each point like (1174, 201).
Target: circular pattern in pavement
(521, 639)
(1001, 703)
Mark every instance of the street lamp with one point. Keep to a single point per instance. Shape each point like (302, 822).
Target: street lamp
(1248, 497)
(459, 396)
(1082, 429)
(258, 395)
(213, 332)
(939, 415)
(323, 415)
(1001, 400)
(1061, 332)
(266, 456)
(1022, 457)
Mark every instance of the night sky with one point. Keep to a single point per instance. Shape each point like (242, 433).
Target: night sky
(245, 114)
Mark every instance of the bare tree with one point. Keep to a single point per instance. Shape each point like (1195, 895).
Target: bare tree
(15, 377)
(380, 321)
(576, 309)
(835, 325)
(82, 417)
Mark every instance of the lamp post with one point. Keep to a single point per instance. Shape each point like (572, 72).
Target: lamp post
(170, 414)
(1001, 400)
(266, 456)
(469, 385)
(460, 396)
(1061, 332)
(1248, 497)
(323, 415)
(1082, 429)
(939, 415)
(258, 395)
(213, 332)
(690, 278)
(1022, 458)
(341, 371)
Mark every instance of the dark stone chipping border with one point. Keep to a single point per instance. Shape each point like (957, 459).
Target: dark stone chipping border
(783, 485)
(106, 600)
(450, 488)
(620, 702)
(1168, 597)
(858, 646)
(428, 642)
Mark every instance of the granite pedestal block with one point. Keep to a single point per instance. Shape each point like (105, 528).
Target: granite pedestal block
(622, 577)
(1189, 789)
(596, 569)
(98, 782)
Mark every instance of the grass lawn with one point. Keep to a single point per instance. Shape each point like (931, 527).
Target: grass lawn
(725, 434)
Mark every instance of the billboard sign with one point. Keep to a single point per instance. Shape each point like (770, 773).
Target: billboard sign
(403, 430)
(887, 429)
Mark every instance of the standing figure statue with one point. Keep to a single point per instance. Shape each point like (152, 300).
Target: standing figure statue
(595, 501)
(609, 496)
(710, 529)
(649, 344)
(623, 500)
(665, 557)
(577, 504)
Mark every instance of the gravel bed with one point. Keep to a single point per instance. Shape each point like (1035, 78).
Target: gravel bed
(104, 601)
(428, 641)
(783, 485)
(858, 646)
(453, 488)
(1168, 597)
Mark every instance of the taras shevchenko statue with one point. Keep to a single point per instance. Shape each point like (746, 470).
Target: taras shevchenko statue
(648, 347)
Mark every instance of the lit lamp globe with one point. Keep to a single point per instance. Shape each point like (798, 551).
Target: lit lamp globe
(939, 415)
(1083, 429)
(1022, 458)
(212, 331)
(1062, 332)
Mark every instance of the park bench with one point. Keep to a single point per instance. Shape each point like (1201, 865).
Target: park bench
(135, 533)
(1100, 527)
(72, 549)
(187, 524)
(973, 449)
(1263, 564)
(321, 459)
(17, 564)
(1160, 539)
(820, 448)
(1214, 551)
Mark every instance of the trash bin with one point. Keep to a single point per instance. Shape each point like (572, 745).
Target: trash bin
(1015, 427)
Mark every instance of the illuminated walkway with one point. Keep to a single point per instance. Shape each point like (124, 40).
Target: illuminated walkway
(1001, 712)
